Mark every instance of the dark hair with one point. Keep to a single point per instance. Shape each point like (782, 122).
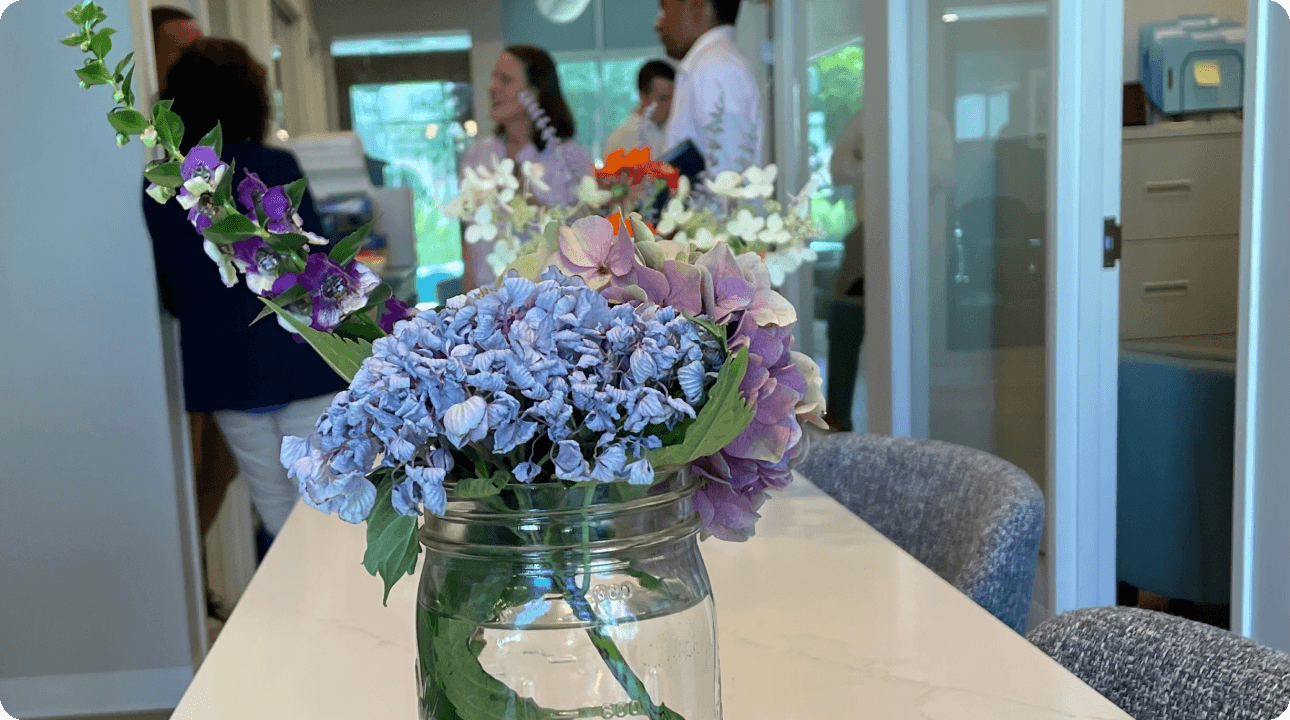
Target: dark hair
(217, 81)
(727, 11)
(539, 72)
(163, 15)
(651, 71)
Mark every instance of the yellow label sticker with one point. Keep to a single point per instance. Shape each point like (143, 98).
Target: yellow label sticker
(1208, 73)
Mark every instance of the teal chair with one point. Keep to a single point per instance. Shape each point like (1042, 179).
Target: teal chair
(1174, 509)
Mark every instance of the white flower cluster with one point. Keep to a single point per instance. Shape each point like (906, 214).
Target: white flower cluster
(496, 207)
(746, 217)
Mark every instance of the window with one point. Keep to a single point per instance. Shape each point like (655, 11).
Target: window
(836, 96)
(415, 129)
(979, 116)
(601, 91)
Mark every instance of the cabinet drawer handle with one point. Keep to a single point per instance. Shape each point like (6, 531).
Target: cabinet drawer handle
(1168, 186)
(1166, 287)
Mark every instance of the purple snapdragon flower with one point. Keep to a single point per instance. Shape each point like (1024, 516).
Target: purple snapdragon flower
(335, 291)
(279, 215)
(395, 310)
(259, 262)
(202, 171)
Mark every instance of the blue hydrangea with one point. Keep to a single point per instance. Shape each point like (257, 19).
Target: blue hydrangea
(543, 380)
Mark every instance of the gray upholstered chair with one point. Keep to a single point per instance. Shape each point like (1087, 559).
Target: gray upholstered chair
(972, 518)
(1160, 667)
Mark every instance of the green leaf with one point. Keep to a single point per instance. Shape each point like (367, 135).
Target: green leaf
(124, 61)
(392, 545)
(95, 15)
(651, 583)
(223, 195)
(344, 356)
(79, 14)
(382, 293)
(361, 329)
(75, 39)
(96, 73)
(284, 298)
(160, 106)
(287, 243)
(130, 122)
(296, 192)
(214, 140)
(718, 422)
(346, 249)
(476, 487)
(164, 173)
(127, 86)
(718, 331)
(233, 227)
(474, 694)
(170, 128)
(101, 43)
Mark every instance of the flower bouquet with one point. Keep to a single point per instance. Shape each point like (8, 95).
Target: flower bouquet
(733, 208)
(555, 443)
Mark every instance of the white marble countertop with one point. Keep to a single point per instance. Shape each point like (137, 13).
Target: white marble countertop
(819, 617)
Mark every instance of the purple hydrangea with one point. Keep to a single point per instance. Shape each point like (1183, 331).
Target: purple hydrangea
(758, 459)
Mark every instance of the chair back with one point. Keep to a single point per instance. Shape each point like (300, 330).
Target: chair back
(1160, 667)
(971, 517)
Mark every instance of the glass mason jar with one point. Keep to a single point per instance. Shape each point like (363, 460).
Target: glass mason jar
(549, 602)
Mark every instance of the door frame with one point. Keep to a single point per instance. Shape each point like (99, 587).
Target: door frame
(1261, 492)
(1082, 313)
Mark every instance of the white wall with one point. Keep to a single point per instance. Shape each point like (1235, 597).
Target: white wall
(482, 18)
(1137, 12)
(96, 602)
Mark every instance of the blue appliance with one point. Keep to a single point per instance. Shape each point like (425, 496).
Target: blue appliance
(1193, 64)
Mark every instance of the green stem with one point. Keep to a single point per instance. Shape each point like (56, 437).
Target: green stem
(612, 656)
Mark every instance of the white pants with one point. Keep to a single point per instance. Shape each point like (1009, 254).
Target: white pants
(256, 441)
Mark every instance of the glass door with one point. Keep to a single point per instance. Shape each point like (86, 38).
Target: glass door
(992, 313)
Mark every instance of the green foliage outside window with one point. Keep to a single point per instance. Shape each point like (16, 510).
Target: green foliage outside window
(837, 94)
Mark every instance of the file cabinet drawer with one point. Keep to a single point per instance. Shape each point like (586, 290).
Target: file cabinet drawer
(1182, 187)
(1179, 287)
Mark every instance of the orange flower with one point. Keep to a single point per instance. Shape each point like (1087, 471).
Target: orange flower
(624, 159)
(639, 166)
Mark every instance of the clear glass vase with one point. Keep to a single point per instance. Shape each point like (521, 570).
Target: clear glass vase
(546, 602)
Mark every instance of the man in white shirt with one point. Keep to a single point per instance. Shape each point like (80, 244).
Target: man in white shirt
(644, 127)
(718, 103)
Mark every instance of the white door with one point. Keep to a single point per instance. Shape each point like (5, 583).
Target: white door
(992, 161)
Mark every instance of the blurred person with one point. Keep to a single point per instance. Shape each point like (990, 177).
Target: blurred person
(526, 69)
(644, 127)
(257, 380)
(717, 104)
(846, 309)
(172, 30)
